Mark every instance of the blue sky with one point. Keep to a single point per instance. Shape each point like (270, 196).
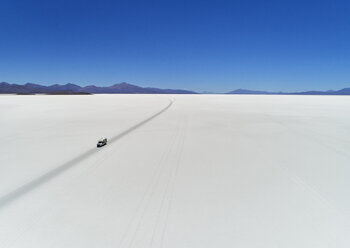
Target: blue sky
(199, 45)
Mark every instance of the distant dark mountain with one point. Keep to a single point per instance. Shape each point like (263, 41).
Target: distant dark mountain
(121, 88)
(345, 91)
(65, 87)
(125, 88)
(30, 88)
(115, 89)
(14, 88)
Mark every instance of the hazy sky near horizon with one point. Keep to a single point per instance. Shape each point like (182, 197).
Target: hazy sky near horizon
(199, 45)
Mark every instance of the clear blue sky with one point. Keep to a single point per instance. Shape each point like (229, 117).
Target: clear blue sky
(199, 45)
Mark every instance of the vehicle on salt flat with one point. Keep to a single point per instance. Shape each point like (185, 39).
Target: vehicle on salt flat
(102, 142)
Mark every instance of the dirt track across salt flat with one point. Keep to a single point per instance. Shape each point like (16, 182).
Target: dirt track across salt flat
(204, 171)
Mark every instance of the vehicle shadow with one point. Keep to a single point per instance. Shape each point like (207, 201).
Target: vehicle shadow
(29, 186)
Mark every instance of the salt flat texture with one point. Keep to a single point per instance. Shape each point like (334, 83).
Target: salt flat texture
(182, 171)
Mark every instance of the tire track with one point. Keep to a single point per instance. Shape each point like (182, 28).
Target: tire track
(169, 193)
(156, 184)
(135, 222)
(48, 176)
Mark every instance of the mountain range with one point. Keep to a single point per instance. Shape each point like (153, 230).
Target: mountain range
(121, 88)
(345, 91)
(125, 88)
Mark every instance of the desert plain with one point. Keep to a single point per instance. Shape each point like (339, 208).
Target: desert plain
(189, 171)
